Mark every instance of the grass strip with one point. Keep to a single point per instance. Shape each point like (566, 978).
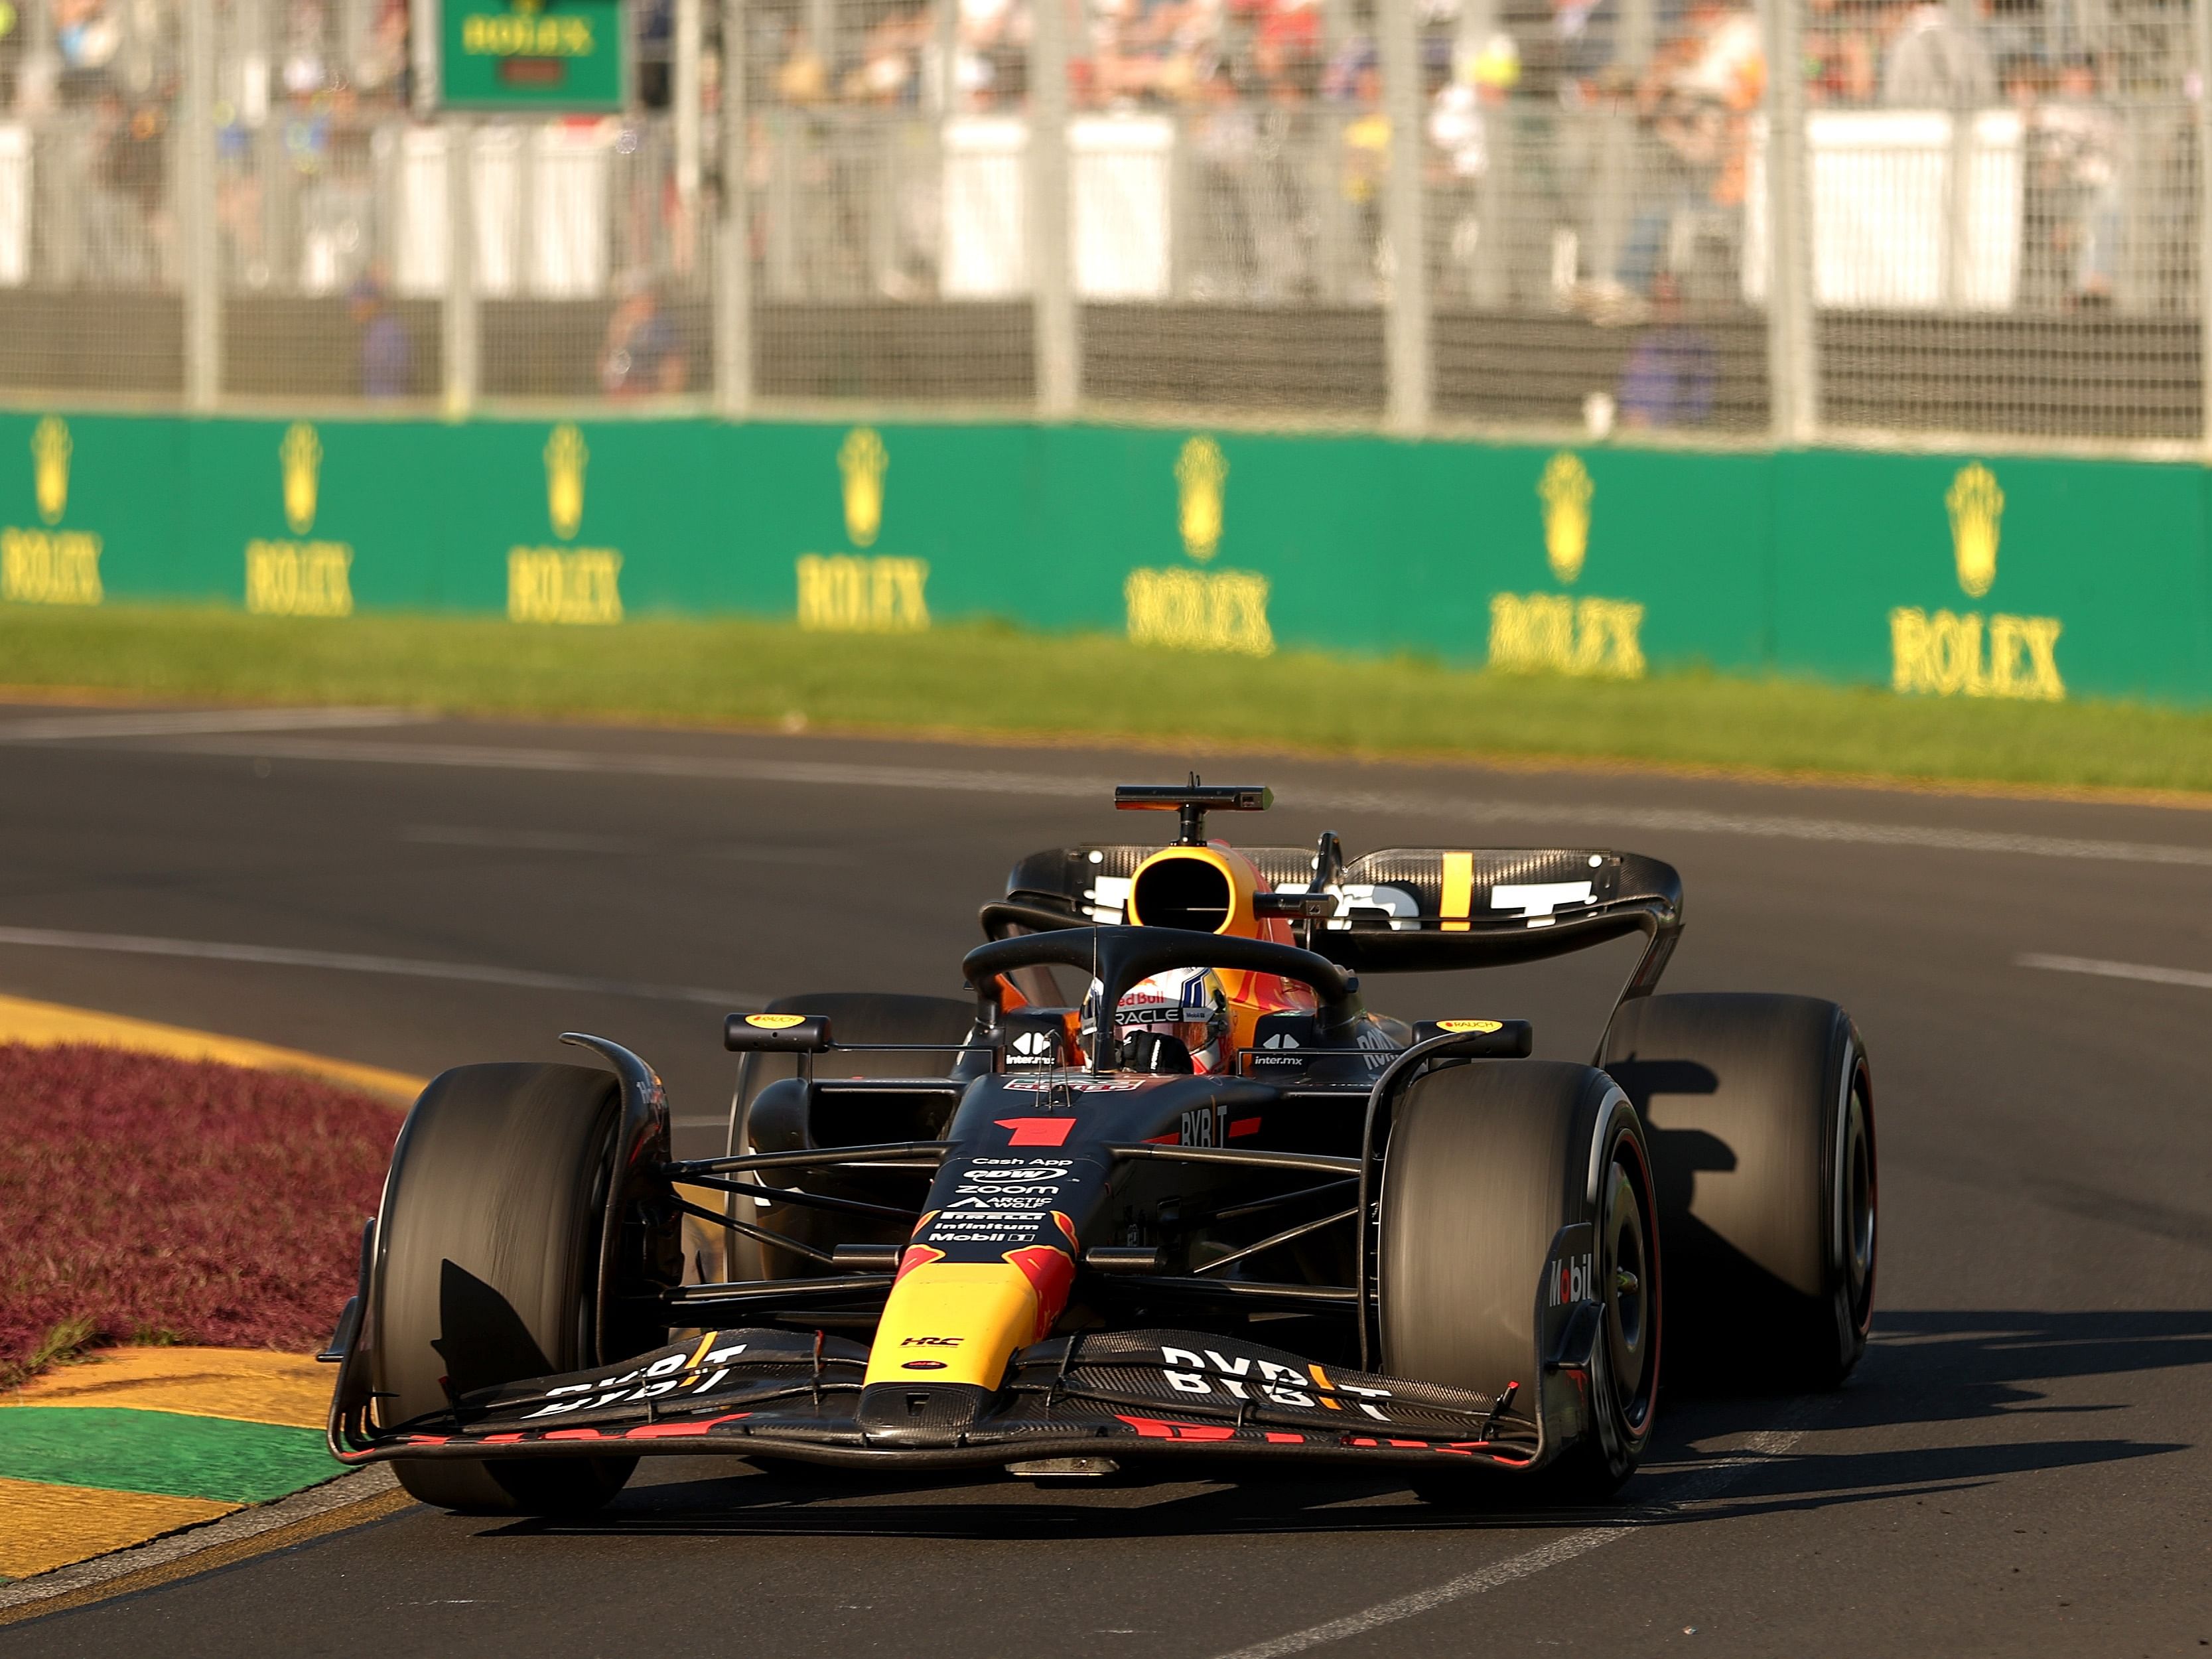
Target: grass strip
(990, 679)
(163, 1453)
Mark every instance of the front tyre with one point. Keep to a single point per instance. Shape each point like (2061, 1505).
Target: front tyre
(1515, 1191)
(1625, 1365)
(487, 1269)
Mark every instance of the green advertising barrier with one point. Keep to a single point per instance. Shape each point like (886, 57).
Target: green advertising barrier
(1934, 575)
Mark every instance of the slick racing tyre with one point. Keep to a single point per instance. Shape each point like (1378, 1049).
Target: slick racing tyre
(859, 1017)
(1760, 1115)
(1487, 1163)
(487, 1268)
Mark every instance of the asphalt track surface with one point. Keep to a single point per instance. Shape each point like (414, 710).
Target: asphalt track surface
(2019, 1467)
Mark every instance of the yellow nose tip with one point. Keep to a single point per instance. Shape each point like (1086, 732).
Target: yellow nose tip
(954, 1321)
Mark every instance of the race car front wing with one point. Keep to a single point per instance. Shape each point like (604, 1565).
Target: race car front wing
(1118, 1392)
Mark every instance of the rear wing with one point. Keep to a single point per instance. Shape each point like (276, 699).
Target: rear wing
(1402, 909)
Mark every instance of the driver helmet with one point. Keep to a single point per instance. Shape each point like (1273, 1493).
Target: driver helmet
(1187, 1004)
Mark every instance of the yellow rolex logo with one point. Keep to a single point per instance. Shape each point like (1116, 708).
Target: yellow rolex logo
(1977, 505)
(1565, 489)
(301, 453)
(862, 460)
(1201, 471)
(50, 458)
(565, 456)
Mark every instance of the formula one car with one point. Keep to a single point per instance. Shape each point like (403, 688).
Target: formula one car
(1164, 1190)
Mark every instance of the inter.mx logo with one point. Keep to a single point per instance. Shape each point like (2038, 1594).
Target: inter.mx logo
(1033, 1048)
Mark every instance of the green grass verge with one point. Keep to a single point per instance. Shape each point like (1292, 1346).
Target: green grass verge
(120, 1449)
(995, 679)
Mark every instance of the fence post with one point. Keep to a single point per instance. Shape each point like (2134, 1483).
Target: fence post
(1051, 245)
(733, 253)
(1958, 172)
(683, 103)
(2200, 23)
(1406, 318)
(458, 318)
(197, 242)
(423, 25)
(1792, 357)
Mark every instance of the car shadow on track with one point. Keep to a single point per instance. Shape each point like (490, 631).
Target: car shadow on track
(1940, 1367)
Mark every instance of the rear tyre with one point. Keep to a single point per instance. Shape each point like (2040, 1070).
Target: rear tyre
(1760, 1110)
(487, 1268)
(862, 1017)
(1486, 1162)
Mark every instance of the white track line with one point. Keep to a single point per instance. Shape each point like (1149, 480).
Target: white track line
(352, 963)
(547, 840)
(1706, 1481)
(63, 728)
(2191, 976)
(1072, 786)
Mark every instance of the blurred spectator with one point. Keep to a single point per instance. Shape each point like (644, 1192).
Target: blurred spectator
(239, 195)
(1561, 50)
(1673, 368)
(1935, 63)
(382, 70)
(890, 53)
(641, 354)
(126, 218)
(1699, 96)
(2074, 145)
(1459, 126)
(303, 69)
(656, 35)
(1226, 143)
(1719, 58)
(1841, 54)
(802, 77)
(88, 38)
(388, 355)
(1366, 165)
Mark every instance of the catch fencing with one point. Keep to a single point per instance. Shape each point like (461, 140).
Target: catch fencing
(1959, 224)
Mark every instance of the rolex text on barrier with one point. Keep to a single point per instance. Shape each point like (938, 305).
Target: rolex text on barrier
(564, 585)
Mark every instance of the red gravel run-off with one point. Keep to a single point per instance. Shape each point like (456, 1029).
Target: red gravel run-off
(178, 1201)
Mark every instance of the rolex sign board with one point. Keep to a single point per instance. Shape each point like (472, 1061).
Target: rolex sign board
(552, 56)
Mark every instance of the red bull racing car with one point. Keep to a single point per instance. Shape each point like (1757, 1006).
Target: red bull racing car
(1165, 1189)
